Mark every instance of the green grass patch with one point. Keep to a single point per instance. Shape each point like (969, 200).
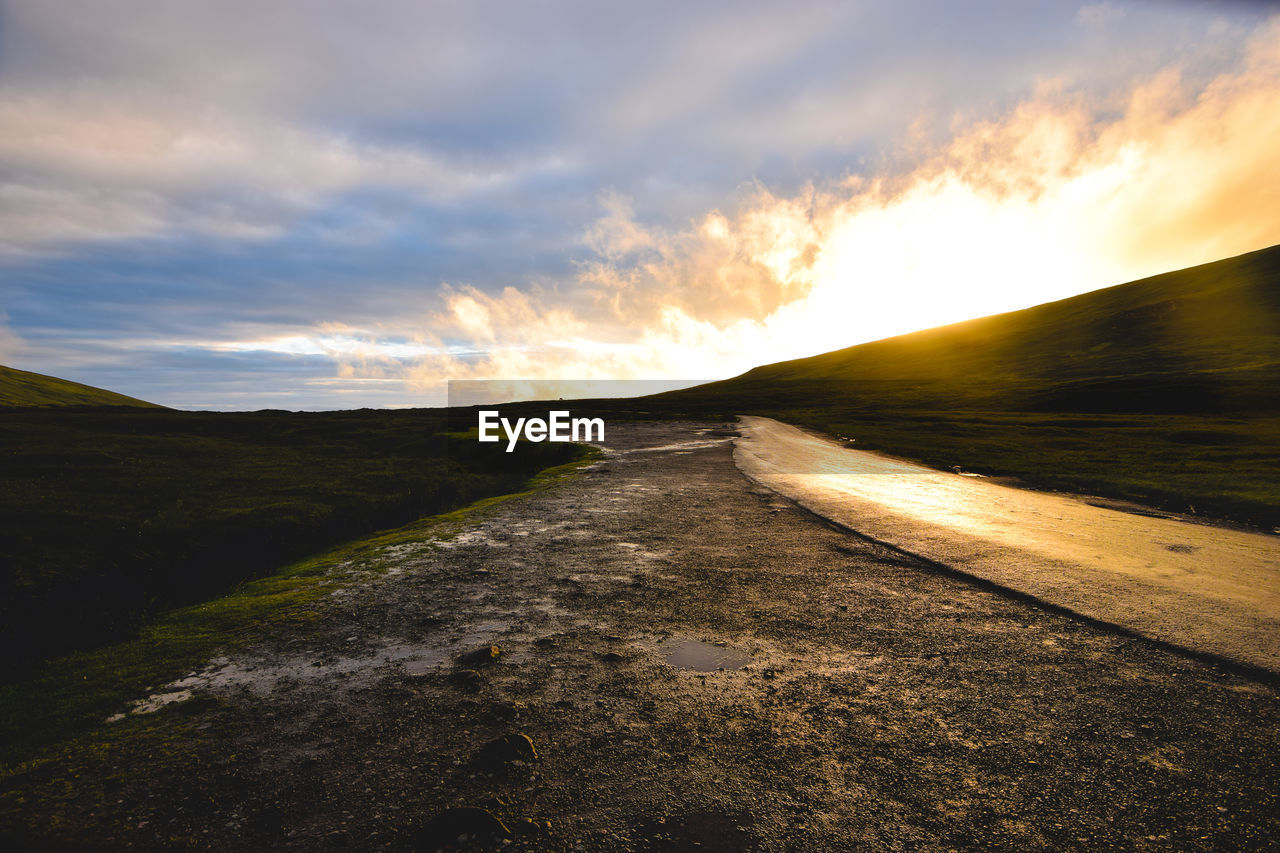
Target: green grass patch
(113, 516)
(22, 388)
(62, 709)
(1219, 467)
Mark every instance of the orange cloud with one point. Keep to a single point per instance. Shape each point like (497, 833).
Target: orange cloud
(1057, 197)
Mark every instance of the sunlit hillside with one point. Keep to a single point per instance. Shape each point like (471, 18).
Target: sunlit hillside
(21, 388)
(1164, 390)
(1205, 339)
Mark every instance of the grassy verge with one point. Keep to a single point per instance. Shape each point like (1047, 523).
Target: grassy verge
(63, 708)
(1218, 467)
(109, 517)
(22, 388)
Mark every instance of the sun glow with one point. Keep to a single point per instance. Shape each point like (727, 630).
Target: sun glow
(1048, 202)
(1056, 197)
(945, 251)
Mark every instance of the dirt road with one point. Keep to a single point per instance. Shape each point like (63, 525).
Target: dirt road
(866, 702)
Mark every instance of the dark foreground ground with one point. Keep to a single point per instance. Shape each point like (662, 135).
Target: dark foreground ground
(879, 705)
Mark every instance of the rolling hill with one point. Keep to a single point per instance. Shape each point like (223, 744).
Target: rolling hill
(21, 388)
(1164, 390)
(1204, 340)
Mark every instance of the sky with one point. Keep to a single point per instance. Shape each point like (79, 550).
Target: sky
(307, 205)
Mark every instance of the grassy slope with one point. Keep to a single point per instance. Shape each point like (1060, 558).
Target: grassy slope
(111, 516)
(1165, 390)
(61, 708)
(20, 388)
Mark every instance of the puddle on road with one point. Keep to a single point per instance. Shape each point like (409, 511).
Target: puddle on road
(678, 447)
(703, 657)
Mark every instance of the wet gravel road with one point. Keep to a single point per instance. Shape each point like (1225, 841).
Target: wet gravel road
(1211, 589)
(870, 703)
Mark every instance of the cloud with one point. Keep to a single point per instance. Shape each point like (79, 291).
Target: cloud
(1056, 197)
(616, 234)
(81, 172)
(1098, 14)
(11, 345)
(122, 121)
(418, 191)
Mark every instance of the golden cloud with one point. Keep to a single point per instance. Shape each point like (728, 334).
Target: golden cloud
(1057, 197)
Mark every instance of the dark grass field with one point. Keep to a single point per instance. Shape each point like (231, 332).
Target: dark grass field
(110, 516)
(61, 700)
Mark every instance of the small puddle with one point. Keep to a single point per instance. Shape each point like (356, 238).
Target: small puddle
(703, 657)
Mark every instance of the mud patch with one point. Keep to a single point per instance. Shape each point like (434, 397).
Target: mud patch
(702, 657)
(262, 677)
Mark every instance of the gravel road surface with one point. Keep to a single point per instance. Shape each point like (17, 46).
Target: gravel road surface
(659, 654)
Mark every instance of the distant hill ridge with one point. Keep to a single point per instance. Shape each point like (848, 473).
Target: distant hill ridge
(1201, 339)
(22, 388)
